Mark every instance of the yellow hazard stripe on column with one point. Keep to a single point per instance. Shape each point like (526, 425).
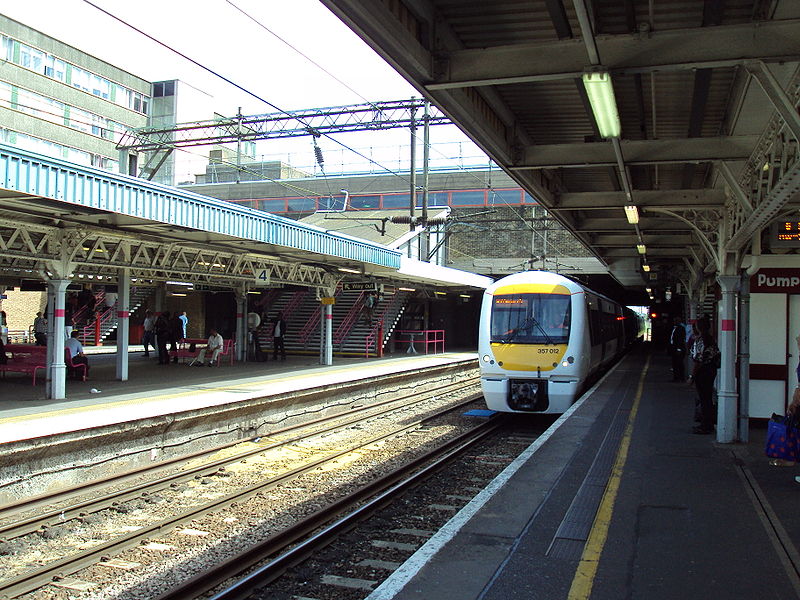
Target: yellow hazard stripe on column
(586, 572)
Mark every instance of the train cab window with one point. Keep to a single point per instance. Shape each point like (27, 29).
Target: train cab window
(531, 319)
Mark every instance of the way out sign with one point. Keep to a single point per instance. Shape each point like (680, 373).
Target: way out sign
(361, 286)
(261, 278)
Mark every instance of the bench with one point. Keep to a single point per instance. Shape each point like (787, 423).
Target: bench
(28, 358)
(228, 347)
(72, 367)
(185, 348)
(25, 358)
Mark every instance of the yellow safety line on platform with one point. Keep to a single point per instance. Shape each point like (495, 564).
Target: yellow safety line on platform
(155, 398)
(583, 581)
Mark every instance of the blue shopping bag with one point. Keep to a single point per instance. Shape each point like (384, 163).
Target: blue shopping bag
(783, 439)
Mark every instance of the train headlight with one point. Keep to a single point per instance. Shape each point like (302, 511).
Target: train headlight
(487, 358)
(569, 360)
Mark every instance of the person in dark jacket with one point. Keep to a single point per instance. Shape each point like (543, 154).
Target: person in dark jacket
(278, 331)
(705, 356)
(677, 349)
(162, 337)
(175, 333)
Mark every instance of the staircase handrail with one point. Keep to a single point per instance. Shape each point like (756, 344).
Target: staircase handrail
(379, 327)
(92, 327)
(371, 338)
(313, 320)
(288, 310)
(343, 330)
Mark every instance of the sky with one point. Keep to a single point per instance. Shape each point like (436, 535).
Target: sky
(219, 36)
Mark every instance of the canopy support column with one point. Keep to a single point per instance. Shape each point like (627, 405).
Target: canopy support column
(123, 322)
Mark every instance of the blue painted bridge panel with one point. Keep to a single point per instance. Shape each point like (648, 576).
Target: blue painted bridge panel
(39, 175)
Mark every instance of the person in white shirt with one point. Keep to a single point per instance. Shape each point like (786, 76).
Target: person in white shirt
(75, 348)
(214, 346)
(149, 332)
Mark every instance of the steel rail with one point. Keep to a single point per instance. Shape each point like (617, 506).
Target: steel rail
(388, 488)
(35, 579)
(81, 508)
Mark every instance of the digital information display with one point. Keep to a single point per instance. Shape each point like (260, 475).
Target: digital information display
(786, 234)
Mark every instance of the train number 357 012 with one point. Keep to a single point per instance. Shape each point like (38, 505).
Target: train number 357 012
(548, 350)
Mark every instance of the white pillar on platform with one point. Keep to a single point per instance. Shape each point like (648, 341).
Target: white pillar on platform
(241, 324)
(56, 387)
(327, 330)
(727, 396)
(123, 322)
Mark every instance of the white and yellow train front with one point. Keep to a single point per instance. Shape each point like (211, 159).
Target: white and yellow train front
(534, 348)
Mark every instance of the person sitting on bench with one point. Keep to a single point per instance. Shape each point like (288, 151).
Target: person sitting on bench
(75, 348)
(214, 346)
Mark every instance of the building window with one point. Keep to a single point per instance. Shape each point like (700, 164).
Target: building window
(396, 200)
(163, 88)
(513, 197)
(365, 202)
(40, 62)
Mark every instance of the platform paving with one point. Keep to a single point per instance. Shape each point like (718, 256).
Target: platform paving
(154, 389)
(684, 523)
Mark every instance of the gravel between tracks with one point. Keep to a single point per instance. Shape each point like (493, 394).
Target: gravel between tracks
(174, 556)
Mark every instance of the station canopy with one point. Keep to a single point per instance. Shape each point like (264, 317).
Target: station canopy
(663, 134)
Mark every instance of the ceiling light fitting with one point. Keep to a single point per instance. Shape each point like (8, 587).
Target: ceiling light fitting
(600, 90)
(641, 248)
(632, 214)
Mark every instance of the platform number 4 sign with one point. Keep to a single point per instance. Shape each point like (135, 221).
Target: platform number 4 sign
(262, 278)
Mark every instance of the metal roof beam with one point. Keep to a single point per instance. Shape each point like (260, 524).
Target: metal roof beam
(678, 49)
(630, 239)
(643, 152)
(613, 225)
(644, 199)
(652, 252)
(777, 95)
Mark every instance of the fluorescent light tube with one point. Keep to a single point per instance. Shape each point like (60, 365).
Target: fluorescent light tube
(604, 106)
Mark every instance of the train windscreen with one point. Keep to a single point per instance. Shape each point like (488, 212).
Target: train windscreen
(531, 319)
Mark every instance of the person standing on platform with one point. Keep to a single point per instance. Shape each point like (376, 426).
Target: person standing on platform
(149, 332)
(40, 329)
(706, 358)
(214, 346)
(677, 349)
(368, 309)
(162, 328)
(69, 314)
(175, 334)
(278, 331)
(184, 324)
(73, 344)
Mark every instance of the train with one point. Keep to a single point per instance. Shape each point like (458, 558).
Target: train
(544, 337)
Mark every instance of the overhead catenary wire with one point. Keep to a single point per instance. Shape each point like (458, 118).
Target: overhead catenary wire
(297, 50)
(233, 83)
(264, 100)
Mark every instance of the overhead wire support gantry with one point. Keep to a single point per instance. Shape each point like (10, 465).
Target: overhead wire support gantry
(312, 121)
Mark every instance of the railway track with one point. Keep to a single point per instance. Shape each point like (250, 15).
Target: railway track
(284, 546)
(101, 553)
(14, 519)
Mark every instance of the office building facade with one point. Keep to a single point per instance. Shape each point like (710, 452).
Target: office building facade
(59, 101)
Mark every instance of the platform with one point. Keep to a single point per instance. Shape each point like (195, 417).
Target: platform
(620, 500)
(154, 390)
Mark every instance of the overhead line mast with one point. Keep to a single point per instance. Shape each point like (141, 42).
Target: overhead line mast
(312, 121)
